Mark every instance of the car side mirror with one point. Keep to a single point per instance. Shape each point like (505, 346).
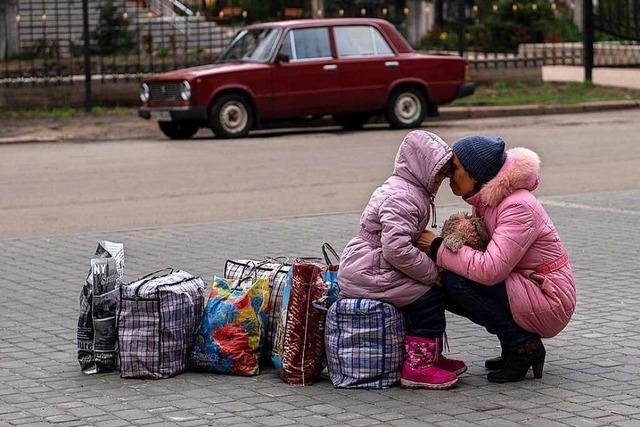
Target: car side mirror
(281, 57)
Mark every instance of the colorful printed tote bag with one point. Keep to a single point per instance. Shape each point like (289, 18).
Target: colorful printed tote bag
(231, 335)
(273, 269)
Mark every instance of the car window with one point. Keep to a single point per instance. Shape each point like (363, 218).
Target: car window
(286, 45)
(307, 43)
(251, 45)
(360, 40)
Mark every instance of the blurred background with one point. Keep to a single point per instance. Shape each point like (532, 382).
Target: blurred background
(504, 41)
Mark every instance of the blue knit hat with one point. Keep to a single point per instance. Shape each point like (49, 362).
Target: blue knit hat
(481, 156)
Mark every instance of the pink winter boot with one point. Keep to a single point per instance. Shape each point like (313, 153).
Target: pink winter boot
(452, 365)
(420, 369)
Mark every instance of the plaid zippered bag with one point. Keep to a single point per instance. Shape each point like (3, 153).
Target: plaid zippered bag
(156, 322)
(364, 341)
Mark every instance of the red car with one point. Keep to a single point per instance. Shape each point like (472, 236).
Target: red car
(348, 68)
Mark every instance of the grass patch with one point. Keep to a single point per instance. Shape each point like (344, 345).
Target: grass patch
(501, 93)
(63, 112)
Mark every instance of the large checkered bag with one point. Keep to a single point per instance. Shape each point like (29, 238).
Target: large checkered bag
(364, 341)
(273, 269)
(156, 322)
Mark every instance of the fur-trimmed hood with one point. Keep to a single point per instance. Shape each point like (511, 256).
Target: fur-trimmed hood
(521, 170)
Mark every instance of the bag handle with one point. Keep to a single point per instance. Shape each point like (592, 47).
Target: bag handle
(276, 260)
(321, 304)
(168, 269)
(252, 266)
(253, 274)
(328, 249)
(309, 258)
(147, 278)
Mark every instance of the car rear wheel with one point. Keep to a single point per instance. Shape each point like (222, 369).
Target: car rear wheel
(407, 108)
(178, 130)
(231, 116)
(351, 121)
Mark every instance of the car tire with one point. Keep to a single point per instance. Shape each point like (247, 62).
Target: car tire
(407, 108)
(231, 116)
(178, 130)
(351, 121)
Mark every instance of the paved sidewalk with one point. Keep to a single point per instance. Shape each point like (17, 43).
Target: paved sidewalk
(615, 77)
(591, 376)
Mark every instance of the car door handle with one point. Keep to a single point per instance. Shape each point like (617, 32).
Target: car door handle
(330, 67)
(392, 64)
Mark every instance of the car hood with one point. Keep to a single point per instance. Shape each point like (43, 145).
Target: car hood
(206, 70)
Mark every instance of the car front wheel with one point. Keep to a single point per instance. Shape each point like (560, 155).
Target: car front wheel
(231, 116)
(178, 130)
(407, 108)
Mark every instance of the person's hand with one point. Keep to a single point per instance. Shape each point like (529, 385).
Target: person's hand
(425, 240)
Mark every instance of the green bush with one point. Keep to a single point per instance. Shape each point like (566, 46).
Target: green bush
(163, 51)
(112, 34)
(511, 23)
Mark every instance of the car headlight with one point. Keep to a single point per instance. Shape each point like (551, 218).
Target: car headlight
(145, 92)
(185, 90)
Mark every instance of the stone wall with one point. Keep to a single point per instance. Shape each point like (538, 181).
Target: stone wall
(68, 95)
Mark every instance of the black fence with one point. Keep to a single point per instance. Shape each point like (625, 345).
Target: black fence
(41, 41)
(44, 41)
(618, 17)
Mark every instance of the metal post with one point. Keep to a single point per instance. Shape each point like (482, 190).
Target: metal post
(88, 103)
(461, 17)
(587, 39)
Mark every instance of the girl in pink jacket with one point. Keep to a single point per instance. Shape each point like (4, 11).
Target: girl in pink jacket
(522, 287)
(383, 262)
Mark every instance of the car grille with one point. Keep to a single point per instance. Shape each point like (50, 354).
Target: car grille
(164, 91)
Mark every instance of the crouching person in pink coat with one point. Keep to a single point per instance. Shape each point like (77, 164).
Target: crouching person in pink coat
(383, 262)
(522, 287)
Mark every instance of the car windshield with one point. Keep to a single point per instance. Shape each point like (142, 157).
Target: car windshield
(251, 45)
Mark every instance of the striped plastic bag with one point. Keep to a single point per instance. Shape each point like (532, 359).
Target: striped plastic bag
(364, 341)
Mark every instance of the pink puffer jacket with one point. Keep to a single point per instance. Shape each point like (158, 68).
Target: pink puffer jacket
(525, 250)
(382, 261)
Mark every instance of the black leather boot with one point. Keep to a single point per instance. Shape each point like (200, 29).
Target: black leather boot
(519, 360)
(496, 363)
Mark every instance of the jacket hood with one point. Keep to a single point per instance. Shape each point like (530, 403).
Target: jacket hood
(521, 170)
(420, 157)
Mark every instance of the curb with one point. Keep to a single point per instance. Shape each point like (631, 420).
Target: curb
(455, 113)
(28, 139)
(445, 113)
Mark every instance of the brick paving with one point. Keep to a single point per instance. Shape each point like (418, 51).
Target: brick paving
(591, 376)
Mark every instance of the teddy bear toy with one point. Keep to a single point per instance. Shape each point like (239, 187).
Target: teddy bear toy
(464, 229)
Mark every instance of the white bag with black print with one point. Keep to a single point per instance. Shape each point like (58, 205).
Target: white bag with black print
(97, 338)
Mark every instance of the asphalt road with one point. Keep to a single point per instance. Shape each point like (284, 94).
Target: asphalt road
(60, 188)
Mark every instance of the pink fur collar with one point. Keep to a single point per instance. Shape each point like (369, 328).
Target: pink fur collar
(521, 170)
